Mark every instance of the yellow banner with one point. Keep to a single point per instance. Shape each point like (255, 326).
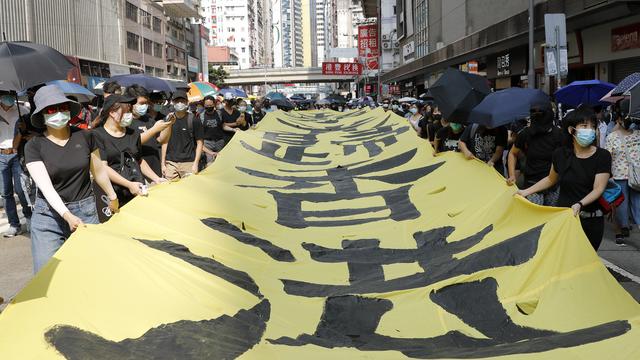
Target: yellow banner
(322, 235)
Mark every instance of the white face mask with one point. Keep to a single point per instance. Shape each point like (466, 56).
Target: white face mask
(242, 109)
(140, 109)
(219, 106)
(126, 119)
(57, 120)
(179, 107)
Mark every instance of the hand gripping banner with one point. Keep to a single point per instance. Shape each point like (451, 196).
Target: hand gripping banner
(324, 235)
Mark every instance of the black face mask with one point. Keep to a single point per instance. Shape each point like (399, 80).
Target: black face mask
(437, 117)
(209, 109)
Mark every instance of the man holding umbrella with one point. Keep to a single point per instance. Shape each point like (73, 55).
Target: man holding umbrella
(10, 168)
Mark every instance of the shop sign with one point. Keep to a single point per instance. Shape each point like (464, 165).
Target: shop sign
(341, 68)
(625, 38)
(504, 65)
(368, 46)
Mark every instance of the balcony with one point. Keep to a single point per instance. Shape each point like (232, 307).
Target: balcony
(181, 8)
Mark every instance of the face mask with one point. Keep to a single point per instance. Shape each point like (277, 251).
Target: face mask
(219, 106)
(180, 107)
(242, 109)
(414, 111)
(340, 109)
(209, 109)
(455, 127)
(57, 120)
(394, 107)
(437, 117)
(126, 119)
(199, 108)
(585, 137)
(140, 109)
(7, 100)
(157, 107)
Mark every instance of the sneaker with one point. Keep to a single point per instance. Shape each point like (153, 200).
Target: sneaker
(620, 240)
(626, 231)
(12, 231)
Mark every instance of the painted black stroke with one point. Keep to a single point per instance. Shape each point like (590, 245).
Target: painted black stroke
(274, 251)
(236, 277)
(351, 321)
(433, 253)
(225, 337)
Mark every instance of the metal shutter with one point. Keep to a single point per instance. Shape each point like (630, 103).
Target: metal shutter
(622, 68)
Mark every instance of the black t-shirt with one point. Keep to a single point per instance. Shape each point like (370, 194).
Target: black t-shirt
(258, 116)
(432, 129)
(68, 166)
(182, 144)
(485, 141)
(538, 149)
(212, 126)
(229, 118)
(112, 147)
(448, 139)
(576, 176)
(248, 118)
(145, 123)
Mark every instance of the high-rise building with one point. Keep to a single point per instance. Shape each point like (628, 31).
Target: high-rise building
(242, 25)
(287, 33)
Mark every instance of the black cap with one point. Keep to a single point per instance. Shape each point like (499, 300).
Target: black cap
(117, 99)
(180, 94)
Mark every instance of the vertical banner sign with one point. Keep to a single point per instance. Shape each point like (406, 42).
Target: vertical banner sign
(368, 46)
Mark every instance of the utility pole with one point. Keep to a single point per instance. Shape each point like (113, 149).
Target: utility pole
(531, 76)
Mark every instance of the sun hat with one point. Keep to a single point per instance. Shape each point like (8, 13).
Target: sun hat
(47, 96)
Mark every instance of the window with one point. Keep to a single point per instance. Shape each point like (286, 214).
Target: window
(157, 25)
(422, 29)
(132, 12)
(133, 41)
(148, 70)
(148, 47)
(243, 50)
(157, 50)
(145, 18)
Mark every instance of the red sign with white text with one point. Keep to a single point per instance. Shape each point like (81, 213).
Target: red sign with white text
(341, 68)
(368, 46)
(625, 38)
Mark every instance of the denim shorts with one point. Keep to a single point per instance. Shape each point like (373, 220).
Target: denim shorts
(49, 230)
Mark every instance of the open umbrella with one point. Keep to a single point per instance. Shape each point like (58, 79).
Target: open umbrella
(72, 89)
(407, 100)
(336, 99)
(634, 105)
(284, 104)
(610, 98)
(275, 95)
(296, 97)
(324, 101)
(25, 64)
(148, 82)
(506, 106)
(626, 84)
(235, 92)
(426, 96)
(457, 93)
(199, 89)
(586, 92)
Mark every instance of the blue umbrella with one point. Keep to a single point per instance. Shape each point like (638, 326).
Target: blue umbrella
(148, 82)
(234, 92)
(587, 92)
(275, 95)
(72, 89)
(626, 84)
(506, 106)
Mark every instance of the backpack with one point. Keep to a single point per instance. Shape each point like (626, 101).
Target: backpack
(203, 159)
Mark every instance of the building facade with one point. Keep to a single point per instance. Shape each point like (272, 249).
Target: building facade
(144, 27)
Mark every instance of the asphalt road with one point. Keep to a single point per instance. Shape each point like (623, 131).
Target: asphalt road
(16, 267)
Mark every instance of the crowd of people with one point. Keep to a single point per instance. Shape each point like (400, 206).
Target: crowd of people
(565, 160)
(74, 163)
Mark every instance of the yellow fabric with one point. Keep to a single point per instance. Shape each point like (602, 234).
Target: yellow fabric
(106, 282)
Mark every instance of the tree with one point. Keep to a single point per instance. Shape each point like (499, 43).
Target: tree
(217, 76)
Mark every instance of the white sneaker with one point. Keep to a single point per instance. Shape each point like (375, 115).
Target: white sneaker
(12, 231)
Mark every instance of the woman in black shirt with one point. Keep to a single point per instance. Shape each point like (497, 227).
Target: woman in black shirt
(61, 162)
(121, 149)
(582, 170)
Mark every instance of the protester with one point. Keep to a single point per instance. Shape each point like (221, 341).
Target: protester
(213, 133)
(447, 138)
(61, 162)
(121, 149)
(182, 142)
(108, 88)
(84, 118)
(537, 143)
(385, 105)
(10, 168)
(245, 121)
(414, 118)
(150, 123)
(485, 144)
(434, 126)
(582, 170)
(624, 145)
(230, 117)
(258, 113)
(395, 107)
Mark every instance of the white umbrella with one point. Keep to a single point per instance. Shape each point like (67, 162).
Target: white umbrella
(407, 100)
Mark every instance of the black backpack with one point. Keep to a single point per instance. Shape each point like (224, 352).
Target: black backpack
(130, 170)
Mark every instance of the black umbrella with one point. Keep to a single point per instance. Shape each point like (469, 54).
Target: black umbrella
(634, 105)
(283, 104)
(336, 99)
(457, 93)
(25, 64)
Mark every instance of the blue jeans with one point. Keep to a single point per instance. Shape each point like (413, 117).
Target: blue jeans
(630, 207)
(49, 230)
(11, 172)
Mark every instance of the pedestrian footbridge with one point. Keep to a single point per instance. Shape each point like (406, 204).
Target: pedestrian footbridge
(282, 76)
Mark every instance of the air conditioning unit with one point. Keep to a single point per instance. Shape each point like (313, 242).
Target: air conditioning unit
(385, 37)
(386, 46)
(396, 44)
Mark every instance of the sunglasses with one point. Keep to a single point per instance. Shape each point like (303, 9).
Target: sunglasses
(50, 110)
